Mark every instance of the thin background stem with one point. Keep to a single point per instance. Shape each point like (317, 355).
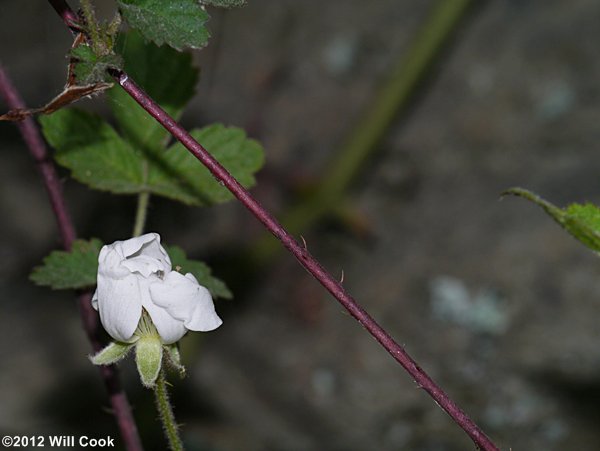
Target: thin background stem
(89, 318)
(143, 201)
(305, 259)
(37, 148)
(141, 213)
(392, 98)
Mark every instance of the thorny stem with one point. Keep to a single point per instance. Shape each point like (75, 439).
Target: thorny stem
(308, 261)
(37, 148)
(89, 318)
(421, 378)
(166, 413)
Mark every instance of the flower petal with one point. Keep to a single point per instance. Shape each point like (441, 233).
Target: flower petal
(169, 328)
(204, 318)
(134, 245)
(185, 299)
(109, 261)
(95, 300)
(120, 306)
(145, 255)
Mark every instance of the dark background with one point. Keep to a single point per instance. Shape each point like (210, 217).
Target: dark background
(491, 298)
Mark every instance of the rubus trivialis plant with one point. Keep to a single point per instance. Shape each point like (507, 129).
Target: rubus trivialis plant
(148, 295)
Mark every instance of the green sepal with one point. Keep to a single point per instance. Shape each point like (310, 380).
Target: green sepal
(112, 353)
(70, 270)
(582, 221)
(174, 358)
(148, 358)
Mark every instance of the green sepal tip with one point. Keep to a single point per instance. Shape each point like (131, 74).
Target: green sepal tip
(112, 353)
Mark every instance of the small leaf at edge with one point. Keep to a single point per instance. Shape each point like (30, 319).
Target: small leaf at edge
(178, 23)
(581, 221)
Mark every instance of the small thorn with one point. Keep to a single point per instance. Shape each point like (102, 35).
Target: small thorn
(342, 278)
(304, 242)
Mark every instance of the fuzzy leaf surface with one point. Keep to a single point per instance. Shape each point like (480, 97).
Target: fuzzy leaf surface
(91, 68)
(166, 75)
(582, 221)
(148, 357)
(178, 23)
(200, 270)
(100, 158)
(179, 176)
(112, 353)
(95, 153)
(70, 270)
(224, 3)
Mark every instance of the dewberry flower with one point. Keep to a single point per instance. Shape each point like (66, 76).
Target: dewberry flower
(134, 276)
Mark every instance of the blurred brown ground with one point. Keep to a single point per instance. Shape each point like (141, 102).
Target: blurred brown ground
(491, 298)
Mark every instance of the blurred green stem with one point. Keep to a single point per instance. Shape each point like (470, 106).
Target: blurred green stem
(142, 206)
(141, 213)
(393, 97)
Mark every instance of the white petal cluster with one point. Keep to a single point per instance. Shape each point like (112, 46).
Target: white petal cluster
(136, 274)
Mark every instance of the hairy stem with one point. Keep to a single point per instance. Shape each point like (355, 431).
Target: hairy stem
(89, 318)
(91, 24)
(330, 283)
(165, 412)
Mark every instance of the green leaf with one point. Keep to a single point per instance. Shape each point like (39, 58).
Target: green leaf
(95, 153)
(75, 269)
(100, 158)
(112, 353)
(224, 3)
(166, 75)
(178, 23)
(581, 220)
(91, 68)
(177, 174)
(200, 271)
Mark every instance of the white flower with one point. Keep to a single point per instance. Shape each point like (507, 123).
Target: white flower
(136, 274)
